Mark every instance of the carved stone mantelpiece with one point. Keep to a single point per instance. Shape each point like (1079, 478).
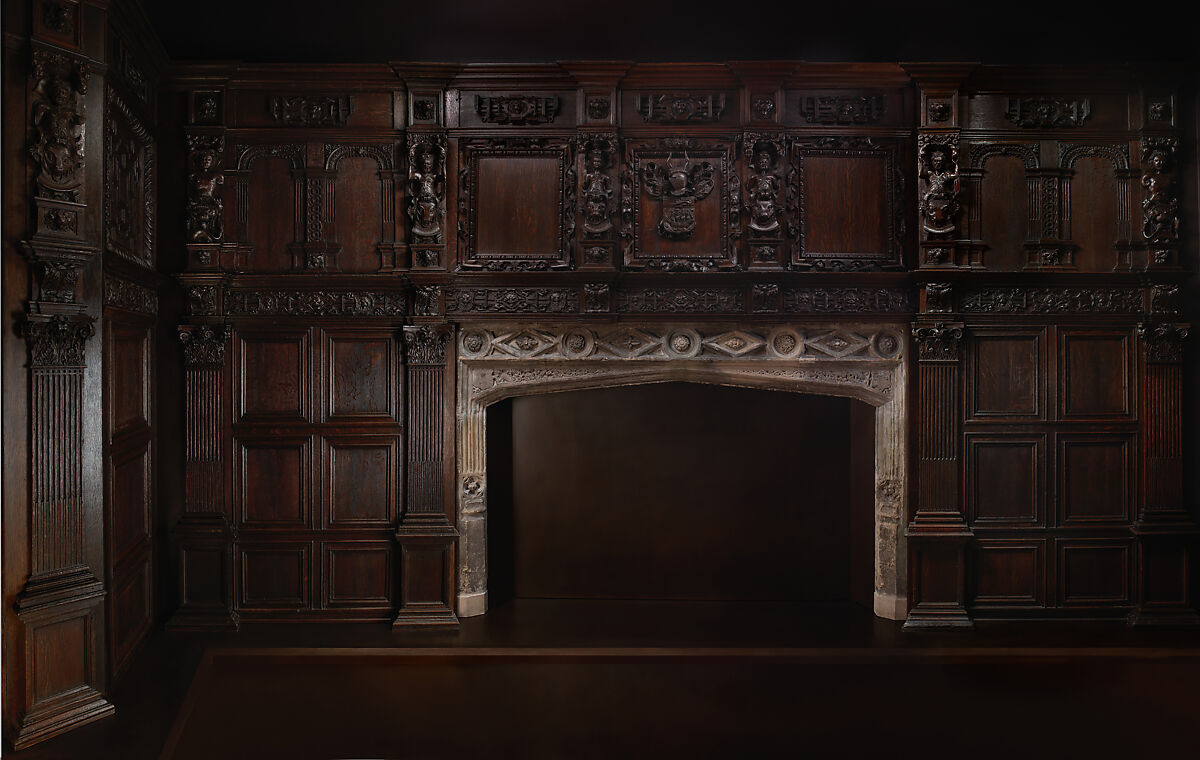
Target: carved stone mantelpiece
(861, 361)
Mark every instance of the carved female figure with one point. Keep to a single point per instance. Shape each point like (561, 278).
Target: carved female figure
(597, 195)
(427, 185)
(205, 207)
(59, 150)
(1160, 207)
(762, 195)
(939, 202)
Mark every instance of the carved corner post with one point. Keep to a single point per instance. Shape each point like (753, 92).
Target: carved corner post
(938, 531)
(59, 657)
(205, 534)
(426, 533)
(1164, 531)
(941, 237)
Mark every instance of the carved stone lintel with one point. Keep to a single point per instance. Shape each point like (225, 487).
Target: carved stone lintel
(1163, 341)
(939, 341)
(1048, 113)
(425, 345)
(310, 110)
(57, 341)
(204, 345)
(517, 109)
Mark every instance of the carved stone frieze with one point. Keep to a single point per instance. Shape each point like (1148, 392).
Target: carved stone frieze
(310, 110)
(206, 182)
(129, 184)
(316, 303)
(57, 341)
(131, 296)
(1163, 341)
(835, 300)
(58, 120)
(680, 300)
(427, 186)
(1160, 203)
(669, 108)
(204, 345)
(1048, 113)
(511, 300)
(938, 342)
(1017, 300)
(425, 345)
(598, 198)
(517, 109)
(843, 109)
(939, 206)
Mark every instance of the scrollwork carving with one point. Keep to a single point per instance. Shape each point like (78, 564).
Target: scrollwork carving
(1048, 113)
(680, 300)
(511, 300)
(1052, 300)
(425, 345)
(317, 303)
(310, 110)
(131, 296)
(204, 345)
(840, 300)
(668, 108)
(843, 109)
(1163, 341)
(517, 109)
(938, 342)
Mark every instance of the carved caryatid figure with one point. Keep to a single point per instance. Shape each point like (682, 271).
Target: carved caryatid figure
(762, 192)
(1160, 207)
(598, 196)
(427, 185)
(939, 199)
(678, 184)
(59, 146)
(205, 205)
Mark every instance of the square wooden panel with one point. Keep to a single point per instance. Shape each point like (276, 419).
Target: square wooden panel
(60, 653)
(205, 576)
(1010, 573)
(129, 500)
(1093, 572)
(1007, 375)
(850, 204)
(271, 376)
(361, 481)
(127, 376)
(516, 209)
(361, 375)
(425, 570)
(1095, 371)
(681, 211)
(271, 482)
(274, 576)
(1005, 480)
(358, 574)
(1095, 479)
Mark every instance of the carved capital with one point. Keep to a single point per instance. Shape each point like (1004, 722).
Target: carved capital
(1163, 341)
(204, 346)
(938, 342)
(57, 341)
(425, 345)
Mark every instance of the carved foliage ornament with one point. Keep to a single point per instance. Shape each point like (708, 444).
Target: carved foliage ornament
(58, 281)
(671, 108)
(316, 303)
(1053, 300)
(124, 294)
(511, 300)
(1048, 113)
(427, 300)
(939, 184)
(517, 109)
(204, 345)
(206, 182)
(426, 344)
(58, 122)
(427, 187)
(58, 341)
(58, 17)
(310, 110)
(1164, 341)
(843, 109)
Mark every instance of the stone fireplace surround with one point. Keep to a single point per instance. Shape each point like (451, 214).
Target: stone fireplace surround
(863, 361)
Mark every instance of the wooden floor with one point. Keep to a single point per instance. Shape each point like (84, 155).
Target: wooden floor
(552, 678)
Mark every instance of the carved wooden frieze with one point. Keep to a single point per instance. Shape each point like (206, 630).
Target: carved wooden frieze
(835, 300)
(315, 303)
(206, 182)
(1048, 113)
(528, 179)
(129, 191)
(131, 296)
(843, 109)
(680, 300)
(828, 238)
(674, 108)
(999, 300)
(517, 109)
(1165, 300)
(512, 300)
(310, 110)
(1163, 341)
(681, 207)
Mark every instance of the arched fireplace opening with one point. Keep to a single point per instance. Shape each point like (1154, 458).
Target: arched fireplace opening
(681, 491)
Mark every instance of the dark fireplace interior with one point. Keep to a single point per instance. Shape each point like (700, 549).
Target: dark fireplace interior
(681, 491)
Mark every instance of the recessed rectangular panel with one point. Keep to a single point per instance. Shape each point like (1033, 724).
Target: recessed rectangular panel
(128, 372)
(274, 577)
(1004, 213)
(59, 655)
(274, 376)
(1095, 372)
(358, 575)
(425, 569)
(1094, 480)
(1009, 572)
(1095, 207)
(129, 509)
(272, 480)
(358, 214)
(361, 481)
(1007, 376)
(270, 215)
(362, 378)
(1093, 573)
(1004, 480)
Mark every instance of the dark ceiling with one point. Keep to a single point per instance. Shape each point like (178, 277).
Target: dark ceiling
(298, 31)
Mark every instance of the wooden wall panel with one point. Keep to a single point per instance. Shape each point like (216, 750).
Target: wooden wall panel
(362, 379)
(1007, 376)
(275, 576)
(130, 502)
(358, 214)
(358, 575)
(1010, 573)
(1006, 480)
(361, 481)
(1004, 211)
(273, 376)
(842, 201)
(1096, 378)
(1095, 480)
(272, 482)
(1095, 210)
(1093, 572)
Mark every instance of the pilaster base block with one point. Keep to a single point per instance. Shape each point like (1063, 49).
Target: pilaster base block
(938, 616)
(937, 578)
(1163, 578)
(83, 706)
(206, 547)
(426, 573)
